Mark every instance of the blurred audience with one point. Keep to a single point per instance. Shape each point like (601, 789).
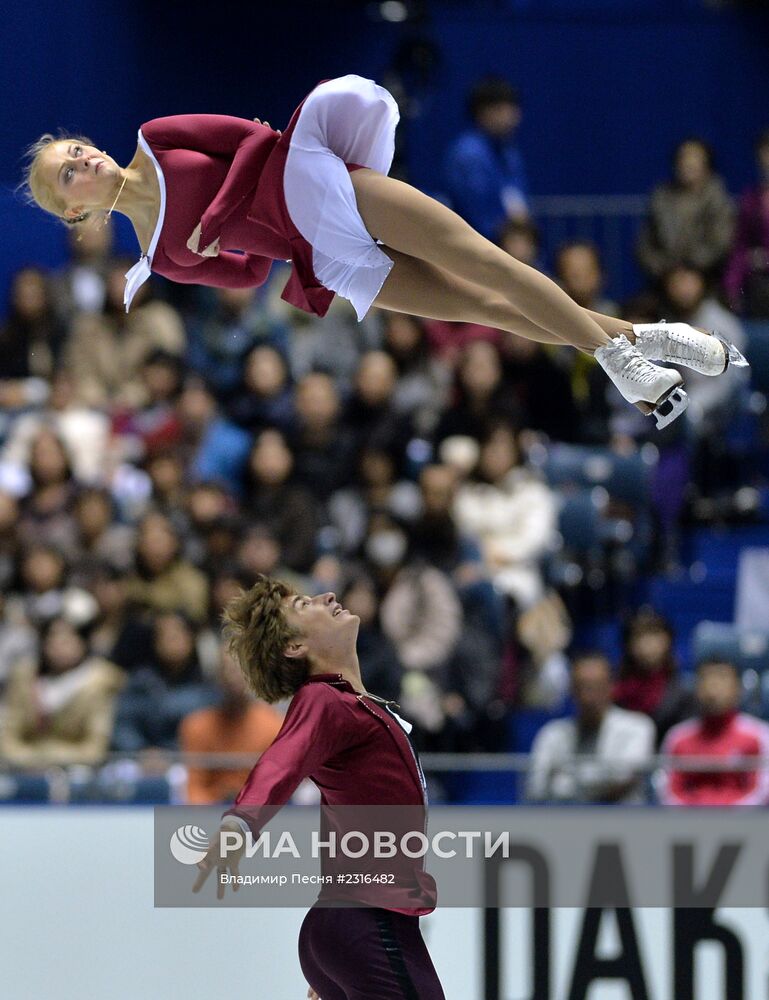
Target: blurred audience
(220, 338)
(648, 679)
(690, 218)
(276, 500)
(481, 395)
(511, 512)
(381, 669)
(162, 579)
(718, 730)
(105, 350)
(80, 286)
(485, 175)
(422, 383)
(166, 688)
(60, 705)
(238, 724)
(579, 271)
(600, 755)
(264, 396)
(746, 281)
(521, 239)
(31, 340)
(83, 430)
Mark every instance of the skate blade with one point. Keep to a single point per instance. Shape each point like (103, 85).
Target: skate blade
(733, 356)
(671, 407)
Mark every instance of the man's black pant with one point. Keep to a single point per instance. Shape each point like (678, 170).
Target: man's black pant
(357, 953)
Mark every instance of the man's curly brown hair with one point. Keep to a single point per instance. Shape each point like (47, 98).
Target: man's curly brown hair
(256, 633)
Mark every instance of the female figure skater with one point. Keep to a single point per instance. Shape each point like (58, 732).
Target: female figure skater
(202, 186)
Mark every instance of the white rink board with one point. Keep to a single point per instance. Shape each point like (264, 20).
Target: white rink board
(77, 918)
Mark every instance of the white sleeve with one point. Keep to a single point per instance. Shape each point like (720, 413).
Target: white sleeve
(544, 760)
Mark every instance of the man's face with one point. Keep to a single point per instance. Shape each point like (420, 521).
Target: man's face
(591, 689)
(718, 689)
(437, 485)
(685, 288)
(499, 119)
(580, 274)
(325, 628)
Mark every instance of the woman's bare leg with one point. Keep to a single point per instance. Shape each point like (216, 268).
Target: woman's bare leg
(612, 326)
(421, 289)
(417, 225)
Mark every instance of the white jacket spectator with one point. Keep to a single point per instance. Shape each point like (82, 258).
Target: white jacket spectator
(600, 755)
(512, 513)
(422, 616)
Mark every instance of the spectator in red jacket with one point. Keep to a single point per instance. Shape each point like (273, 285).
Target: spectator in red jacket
(719, 730)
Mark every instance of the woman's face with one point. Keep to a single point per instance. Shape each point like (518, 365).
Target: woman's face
(207, 504)
(82, 176)
(48, 460)
(63, 648)
(317, 400)
(224, 589)
(650, 649)
(110, 594)
(685, 288)
(93, 515)
(157, 544)
(402, 333)
(29, 295)
(480, 370)
(271, 461)
(498, 456)
(161, 381)
(174, 641)
(361, 600)
(9, 512)
(166, 473)
(376, 468)
(265, 372)
(259, 553)
(691, 164)
(375, 378)
(42, 571)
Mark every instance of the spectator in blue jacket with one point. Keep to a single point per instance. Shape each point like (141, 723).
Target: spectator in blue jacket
(485, 175)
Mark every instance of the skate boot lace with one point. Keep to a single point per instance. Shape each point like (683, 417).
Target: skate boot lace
(635, 364)
(683, 348)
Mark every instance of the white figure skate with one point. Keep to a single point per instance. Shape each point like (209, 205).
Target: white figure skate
(653, 389)
(681, 344)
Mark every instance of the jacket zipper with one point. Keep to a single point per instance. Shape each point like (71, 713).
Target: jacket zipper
(417, 765)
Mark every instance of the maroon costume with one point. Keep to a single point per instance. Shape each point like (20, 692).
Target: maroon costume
(237, 178)
(357, 753)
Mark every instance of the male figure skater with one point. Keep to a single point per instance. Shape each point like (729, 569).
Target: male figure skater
(356, 749)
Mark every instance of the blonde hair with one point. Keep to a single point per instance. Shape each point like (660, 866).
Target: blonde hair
(256, 633)
(35, 189)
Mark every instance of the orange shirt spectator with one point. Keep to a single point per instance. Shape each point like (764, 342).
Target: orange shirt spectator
(238, 725)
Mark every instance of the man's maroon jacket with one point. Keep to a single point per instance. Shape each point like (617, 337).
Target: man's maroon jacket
(357, 754)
